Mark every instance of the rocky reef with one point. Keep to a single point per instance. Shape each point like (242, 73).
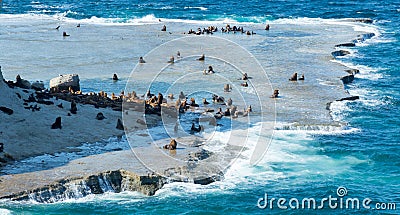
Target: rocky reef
(110, 181)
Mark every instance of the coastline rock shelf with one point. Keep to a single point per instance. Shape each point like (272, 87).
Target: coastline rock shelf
(28, 112)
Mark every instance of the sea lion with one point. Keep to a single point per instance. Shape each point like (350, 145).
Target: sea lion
(171, 59)
(267, 27)
(172, 145)
(100, 116)
(205, 102)
(275, 95)
(57, 123)
(182, 96)
(73, 109)
(141, 60)
(227, 88)
(301, 77)
(164, 28)
(210, 69)
(115, 77)
(293, 77)
(229, 102)
(202, 58)
(245, 84)
(65, 34)
(245, 77)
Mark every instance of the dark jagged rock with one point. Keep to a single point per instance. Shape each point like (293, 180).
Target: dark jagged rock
(6, 110)
(347, 79)
(364, 20)
(363, 37)
(100, 116)
(57, 123)
(1, 147)
(38, 86)
(352, 71)
(45, 102)
(19, 95)
(351, 98)
(340, 53)
(346, 45)
(119, 126)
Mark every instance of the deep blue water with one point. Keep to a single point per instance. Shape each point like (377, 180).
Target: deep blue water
(371, 161)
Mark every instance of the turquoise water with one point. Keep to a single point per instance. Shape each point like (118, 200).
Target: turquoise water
(299, 164)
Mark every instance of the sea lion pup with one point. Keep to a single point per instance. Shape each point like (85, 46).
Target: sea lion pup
(301, 77)
(115, 77)
(210, 70)
(205, 102)
(178, 54)
(267, 27)
(275, 95)
(244, 84)
(171, 59)
(202, 58)
(78, 25)
(172, 145)
(141, 60)
(164, 28)
(58, 27)
(171, 96)
(248, 33)
(182, 96)
(65, 34)
(294, 77)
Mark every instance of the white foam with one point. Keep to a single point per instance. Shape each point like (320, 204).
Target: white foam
(366, 72)
(4, 211)
(200, 8)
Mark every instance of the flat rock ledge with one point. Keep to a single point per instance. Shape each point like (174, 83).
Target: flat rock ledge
(109, 181)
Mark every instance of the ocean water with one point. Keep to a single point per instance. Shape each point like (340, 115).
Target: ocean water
(362, 156)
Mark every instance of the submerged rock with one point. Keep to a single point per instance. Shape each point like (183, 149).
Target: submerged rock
(347, 79)
(340, 53)
(6, 110)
